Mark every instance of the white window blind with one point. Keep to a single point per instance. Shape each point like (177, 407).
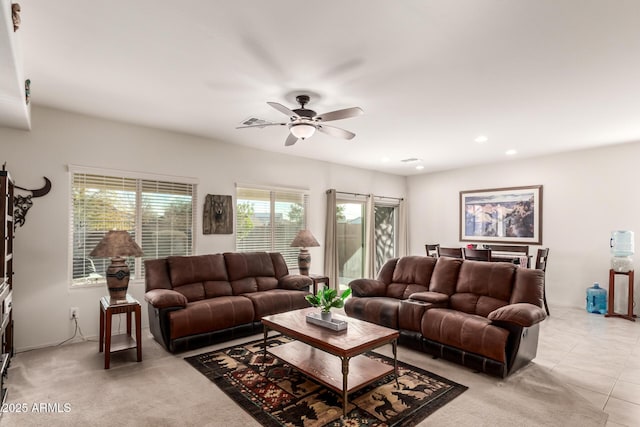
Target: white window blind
(268, 220)
(158, 214)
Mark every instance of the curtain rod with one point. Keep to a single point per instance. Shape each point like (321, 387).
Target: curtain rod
(367, 195)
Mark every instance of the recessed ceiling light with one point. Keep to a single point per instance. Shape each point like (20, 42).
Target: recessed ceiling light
(419, 167)
(510, 152)
(481, 139)
(385, 160)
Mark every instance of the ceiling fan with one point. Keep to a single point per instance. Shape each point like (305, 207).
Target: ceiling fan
(303, 122)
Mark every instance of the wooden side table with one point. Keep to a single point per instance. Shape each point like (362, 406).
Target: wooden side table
(121, 342)
(318, 278)
(611, 301)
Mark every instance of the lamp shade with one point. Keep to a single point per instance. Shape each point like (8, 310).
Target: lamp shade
(304, 239)
(116, 243)
(302, 130)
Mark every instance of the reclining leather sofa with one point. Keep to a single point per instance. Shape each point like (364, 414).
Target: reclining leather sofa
(202, 299)
(484, 315)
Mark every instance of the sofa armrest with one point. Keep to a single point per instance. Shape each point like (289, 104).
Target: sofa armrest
(521, 314)
(295, 282)
(163, 298)
(435, 298)
(368, 288)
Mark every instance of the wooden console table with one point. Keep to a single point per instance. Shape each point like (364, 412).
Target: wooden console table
(123, 341)
(611, 300)
(317, 279)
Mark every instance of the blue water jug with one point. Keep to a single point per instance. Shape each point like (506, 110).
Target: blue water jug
(596, 299)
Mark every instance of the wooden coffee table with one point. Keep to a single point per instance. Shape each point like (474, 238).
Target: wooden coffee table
(348, 345)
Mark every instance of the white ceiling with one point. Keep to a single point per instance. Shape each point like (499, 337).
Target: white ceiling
(537, 76)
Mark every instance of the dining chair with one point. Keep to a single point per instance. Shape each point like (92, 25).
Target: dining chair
(432, 249)
(541, 264)
(477, 254)
(450, 252)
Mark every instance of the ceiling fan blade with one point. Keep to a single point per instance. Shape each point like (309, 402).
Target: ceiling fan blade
(340, 114)
(283, 109)
(261, 125)
(334, 131)
(291, 139)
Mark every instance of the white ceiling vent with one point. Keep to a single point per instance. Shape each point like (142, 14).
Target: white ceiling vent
(410, 160)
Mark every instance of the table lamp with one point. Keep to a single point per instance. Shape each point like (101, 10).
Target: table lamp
(117, 244)
(303, 240)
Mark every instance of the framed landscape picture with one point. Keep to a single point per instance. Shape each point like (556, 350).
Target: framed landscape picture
(509, 215)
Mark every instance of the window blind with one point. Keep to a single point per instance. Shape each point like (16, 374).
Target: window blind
(158, 214)
(268, 220)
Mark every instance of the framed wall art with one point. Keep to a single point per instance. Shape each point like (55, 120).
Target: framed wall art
(217, 216)
(512, 215)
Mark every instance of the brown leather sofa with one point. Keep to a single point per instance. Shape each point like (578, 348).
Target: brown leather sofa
(202, 299)
(484, 315)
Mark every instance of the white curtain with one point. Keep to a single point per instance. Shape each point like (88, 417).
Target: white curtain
(370, 239)
(403, 229)
(330, 241)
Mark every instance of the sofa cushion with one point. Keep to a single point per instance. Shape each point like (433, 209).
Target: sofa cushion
(467, 332)
(250, 272)
(156, 274)
(483, 286)
(380, 310)
(163, 298)
(528, 287)
(295, 282)
(210, 315)
(279, 264)
(188, 274)
(248, 264)
(445, 275)
(196, 268)
(412, 274)
(217, 288)
(276, 301)
(244, 285)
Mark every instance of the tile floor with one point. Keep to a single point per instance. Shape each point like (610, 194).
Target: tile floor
(598, 357)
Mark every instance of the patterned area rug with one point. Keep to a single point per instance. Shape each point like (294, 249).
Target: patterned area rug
(275, 394)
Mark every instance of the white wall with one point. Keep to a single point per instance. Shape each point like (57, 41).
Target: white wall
(586, 195)
(42, 295)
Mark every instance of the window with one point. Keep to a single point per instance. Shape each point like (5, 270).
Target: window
(268, 220)
(158, 213)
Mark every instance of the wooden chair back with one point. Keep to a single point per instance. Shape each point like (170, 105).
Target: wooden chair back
(541, 264)
(450, 252)
(432, 249)
(541, 259)
(477, 254)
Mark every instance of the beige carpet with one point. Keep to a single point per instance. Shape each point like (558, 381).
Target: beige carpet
(164, 390)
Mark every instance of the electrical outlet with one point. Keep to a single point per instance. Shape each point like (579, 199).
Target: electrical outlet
(74, 313)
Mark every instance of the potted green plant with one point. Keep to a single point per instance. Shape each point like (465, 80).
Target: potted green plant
(326, 299)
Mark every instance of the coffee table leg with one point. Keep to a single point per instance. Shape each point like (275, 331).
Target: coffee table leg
(394, 346)
(264, 351)
(345, 374)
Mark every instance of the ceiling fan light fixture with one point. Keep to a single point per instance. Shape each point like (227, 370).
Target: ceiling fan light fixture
(302, 130)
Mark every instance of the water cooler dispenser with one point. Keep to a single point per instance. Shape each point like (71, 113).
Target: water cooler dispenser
(622, 249)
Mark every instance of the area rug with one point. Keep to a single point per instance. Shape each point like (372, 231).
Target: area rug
(275, 394)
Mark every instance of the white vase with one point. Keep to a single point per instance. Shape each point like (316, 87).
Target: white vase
(325, 315)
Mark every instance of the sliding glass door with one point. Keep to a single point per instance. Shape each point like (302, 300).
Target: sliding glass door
(350, 241)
